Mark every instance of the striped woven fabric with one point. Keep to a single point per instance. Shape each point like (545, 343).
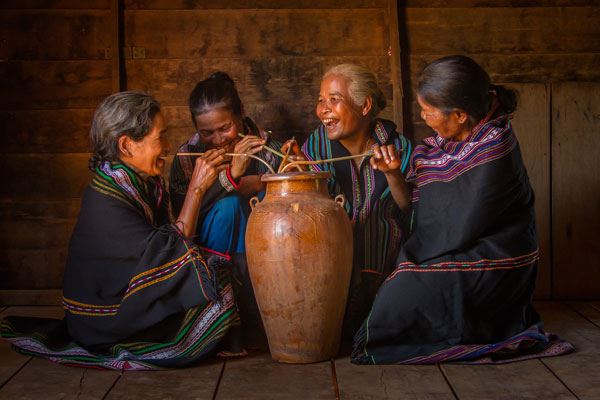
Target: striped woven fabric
(463, 283)
(200, 332)
(136, 294)
(377, 220)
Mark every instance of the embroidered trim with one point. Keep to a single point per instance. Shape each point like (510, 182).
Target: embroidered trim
(469, 266)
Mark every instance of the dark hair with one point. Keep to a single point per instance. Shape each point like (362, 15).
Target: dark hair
(123, 113)
(458, 82)
(216, 90)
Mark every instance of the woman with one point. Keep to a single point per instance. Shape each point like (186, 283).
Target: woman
(137, 293)
(220, 123)
(348, 105)
(465, 277)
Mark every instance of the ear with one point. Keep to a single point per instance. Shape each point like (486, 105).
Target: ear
(124, 144)
(367, 105)
(461, 116)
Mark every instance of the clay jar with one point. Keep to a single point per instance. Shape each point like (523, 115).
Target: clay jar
(299, 250)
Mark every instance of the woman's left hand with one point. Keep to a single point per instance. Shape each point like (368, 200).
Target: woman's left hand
(386, 159)
(248, 145)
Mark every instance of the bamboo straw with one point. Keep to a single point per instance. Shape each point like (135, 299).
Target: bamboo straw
(287, 154)
(271, 170)
(277, 153)
(327, 160)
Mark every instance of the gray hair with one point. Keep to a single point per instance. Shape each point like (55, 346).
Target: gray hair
(123, 113)
(361, 83)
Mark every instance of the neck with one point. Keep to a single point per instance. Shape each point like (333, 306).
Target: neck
(462, 136)
(357, 143)
(142, 174)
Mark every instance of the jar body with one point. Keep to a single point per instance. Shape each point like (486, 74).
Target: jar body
(299, 250)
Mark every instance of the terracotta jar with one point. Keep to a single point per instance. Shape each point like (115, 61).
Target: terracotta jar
(299, 249)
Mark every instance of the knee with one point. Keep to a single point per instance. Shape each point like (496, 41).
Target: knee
(228, 210)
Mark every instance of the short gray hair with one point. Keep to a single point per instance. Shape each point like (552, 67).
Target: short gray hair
(361, 83)
(123, 113)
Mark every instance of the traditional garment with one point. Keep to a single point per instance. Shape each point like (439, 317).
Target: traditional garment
(137, 295)
(377, 221)
(464, 280)
(228, 237)
(222, 221)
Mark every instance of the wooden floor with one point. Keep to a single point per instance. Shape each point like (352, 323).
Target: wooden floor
(575, 376)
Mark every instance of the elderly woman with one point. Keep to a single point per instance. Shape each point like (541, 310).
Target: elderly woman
(464, 279)
(137, 293)
(348, 104)
(218, 117)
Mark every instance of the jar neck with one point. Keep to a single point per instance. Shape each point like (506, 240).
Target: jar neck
(285, 187)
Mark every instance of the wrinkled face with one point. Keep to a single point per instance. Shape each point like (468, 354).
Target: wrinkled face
(148, 154)
(342, 118)
(446, 126)
(218, 128)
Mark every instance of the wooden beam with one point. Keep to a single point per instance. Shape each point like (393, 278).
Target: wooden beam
(116, 47)
(396, 71)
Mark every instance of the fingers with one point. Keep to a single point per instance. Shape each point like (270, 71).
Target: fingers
(215, 157)
(384, 157)
(294, 145)
(249, 145)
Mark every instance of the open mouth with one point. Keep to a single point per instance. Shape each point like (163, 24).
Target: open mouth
(330, 123)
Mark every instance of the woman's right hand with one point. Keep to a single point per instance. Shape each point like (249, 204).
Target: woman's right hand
(295, 153)
(206, 169)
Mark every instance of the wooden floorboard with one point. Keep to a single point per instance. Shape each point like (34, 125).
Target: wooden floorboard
(579, 371)
(587, 310)
(42, 379)
(523, 380)
(390, 381)
(12, 361)
(258, 377)
(595, 304)
(573, 376)
(198, 382)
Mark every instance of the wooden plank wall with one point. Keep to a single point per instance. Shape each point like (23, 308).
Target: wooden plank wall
(58, 62)
(53, 73)
(576, 189)
(533, 46)
(275, 51)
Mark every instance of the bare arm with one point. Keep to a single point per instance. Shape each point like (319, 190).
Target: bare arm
(205, 172)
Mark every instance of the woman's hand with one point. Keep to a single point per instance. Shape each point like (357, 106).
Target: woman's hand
(386, 159)
(295, 154)
(206, 170)
(248, 145)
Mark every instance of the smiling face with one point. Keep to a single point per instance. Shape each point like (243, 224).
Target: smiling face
(450, 126)
(335, 108)
(147, 155)
(218, 128)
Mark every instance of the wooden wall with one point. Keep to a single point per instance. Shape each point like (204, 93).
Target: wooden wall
(53, 72)
(58, 62)
(275, 51)
(59, 58)
(541, 48)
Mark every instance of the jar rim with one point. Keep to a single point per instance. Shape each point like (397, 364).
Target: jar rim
(295, 176)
